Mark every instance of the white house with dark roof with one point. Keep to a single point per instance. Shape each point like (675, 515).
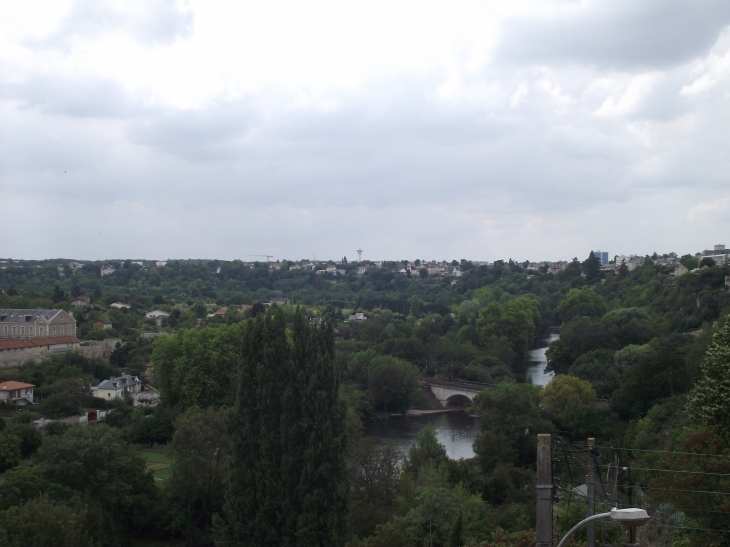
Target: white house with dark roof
(115, 388)
(17, 393)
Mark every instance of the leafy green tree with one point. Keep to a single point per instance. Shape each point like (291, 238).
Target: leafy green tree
(517, 320)
(626, 326)
(58, 294)
(425, 451)
(154, 429)
(30, 438)
(623, 270)
(591, 266)
(709, 401)
(392, 381)
(581, 302)
(26, 482)
(200, 449)
(564, 395)
(600, 369)
(61, 404)
(457, 531)
(9, 451)
(200, 310)
(707, 261)
(649, 373)
(287, 484)
(196, 367)
(43, 523)
(374, 480)
(436, 508)
(96, 463)
(690, 262)
(511, 420)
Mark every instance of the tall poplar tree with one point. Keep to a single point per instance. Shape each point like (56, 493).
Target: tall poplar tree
(287, 482)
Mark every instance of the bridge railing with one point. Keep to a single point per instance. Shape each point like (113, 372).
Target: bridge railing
(458, 384)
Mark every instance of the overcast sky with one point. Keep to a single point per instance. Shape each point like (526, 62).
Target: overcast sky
(438, 130)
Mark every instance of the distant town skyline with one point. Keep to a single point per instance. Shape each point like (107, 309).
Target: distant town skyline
(161, 262)
(537, 129)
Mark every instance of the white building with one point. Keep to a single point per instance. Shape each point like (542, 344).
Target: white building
(16, 393)
(115, 388)
(107, 270)
(154, 314)
(719, 254)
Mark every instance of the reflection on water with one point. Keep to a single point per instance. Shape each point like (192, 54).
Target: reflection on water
(535, 373)
(455, 430)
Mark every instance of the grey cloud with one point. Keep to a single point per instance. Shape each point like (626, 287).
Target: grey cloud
(73, 96)
(392, 145)
(210, 134)
(623, 34)
(158, 22)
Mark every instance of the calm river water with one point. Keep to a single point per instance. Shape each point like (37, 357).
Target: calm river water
(456, 430)
(535, 373)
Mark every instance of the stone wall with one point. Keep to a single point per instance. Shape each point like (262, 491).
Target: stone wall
(87, 348)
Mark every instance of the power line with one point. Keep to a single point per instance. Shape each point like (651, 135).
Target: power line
(684, 527)
(671, 470)
(683, 510)
(663, 451)
(678, 490)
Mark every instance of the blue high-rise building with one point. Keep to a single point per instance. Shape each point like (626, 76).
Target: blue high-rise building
(602, 256)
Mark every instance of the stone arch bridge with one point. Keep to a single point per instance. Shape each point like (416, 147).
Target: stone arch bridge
(443, 393)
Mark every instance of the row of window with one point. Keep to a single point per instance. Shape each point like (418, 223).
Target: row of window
(41, 330)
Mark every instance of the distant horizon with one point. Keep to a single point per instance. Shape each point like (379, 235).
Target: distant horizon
(364, 259)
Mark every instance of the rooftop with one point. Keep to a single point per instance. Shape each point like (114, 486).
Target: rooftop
(36, 342)
(8, 386)
(8, 315)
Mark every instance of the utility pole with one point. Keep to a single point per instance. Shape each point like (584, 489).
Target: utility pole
(591, 491)
(544, 491)
(632, 529)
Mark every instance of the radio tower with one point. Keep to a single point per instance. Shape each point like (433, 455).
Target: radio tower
(359, 254)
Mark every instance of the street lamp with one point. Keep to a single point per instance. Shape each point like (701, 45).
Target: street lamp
(628, 517)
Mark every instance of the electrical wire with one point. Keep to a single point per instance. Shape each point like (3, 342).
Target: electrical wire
(684, 527)
(682, 509)
(663, 451)
(672, 471)
(679, 490)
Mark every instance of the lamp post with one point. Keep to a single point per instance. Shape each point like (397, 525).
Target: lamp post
(628, 517)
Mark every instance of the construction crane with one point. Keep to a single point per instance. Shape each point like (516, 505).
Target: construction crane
(267, 256)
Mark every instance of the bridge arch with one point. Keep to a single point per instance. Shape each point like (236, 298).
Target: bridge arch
(454, 393)
(458, 400)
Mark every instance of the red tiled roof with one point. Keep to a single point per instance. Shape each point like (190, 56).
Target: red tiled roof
(37, 342)
(8, 386)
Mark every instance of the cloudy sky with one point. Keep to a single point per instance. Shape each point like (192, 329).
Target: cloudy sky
(531, 129)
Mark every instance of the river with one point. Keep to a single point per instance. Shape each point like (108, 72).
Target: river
(535, 373)
(456, 430)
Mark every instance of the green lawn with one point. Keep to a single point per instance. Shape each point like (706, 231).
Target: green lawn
(158, 462)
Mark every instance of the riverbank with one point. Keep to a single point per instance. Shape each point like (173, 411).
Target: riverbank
(414, 412)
